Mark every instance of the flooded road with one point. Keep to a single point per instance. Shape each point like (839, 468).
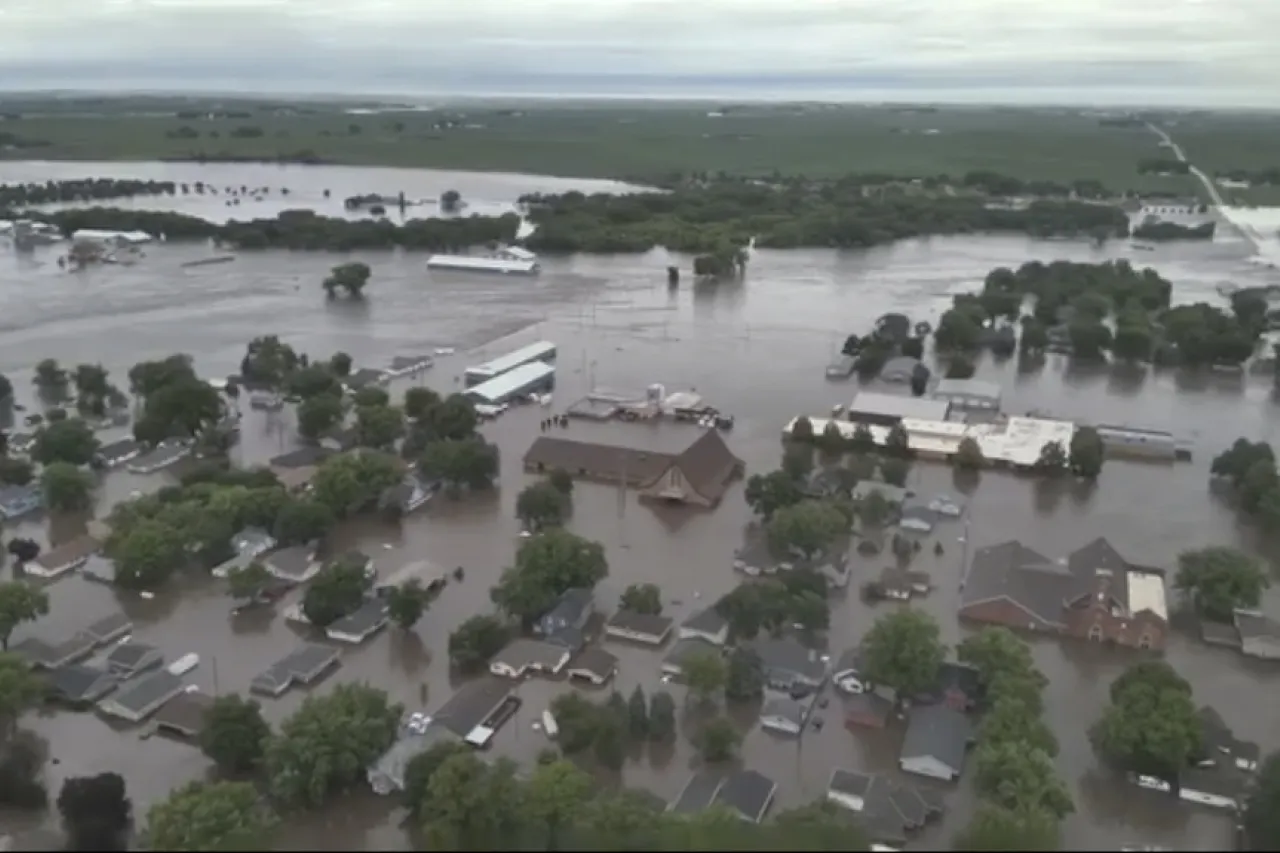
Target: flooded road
(756, 349)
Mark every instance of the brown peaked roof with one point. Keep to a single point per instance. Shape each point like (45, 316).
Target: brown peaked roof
(709, 465)
(607, 461)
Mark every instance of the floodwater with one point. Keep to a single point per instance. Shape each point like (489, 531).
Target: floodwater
(756, 349)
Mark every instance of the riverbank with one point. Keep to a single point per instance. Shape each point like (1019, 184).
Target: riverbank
(645, 142)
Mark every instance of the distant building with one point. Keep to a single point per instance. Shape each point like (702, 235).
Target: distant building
(651, 629)
(968, 394)
(887, 410)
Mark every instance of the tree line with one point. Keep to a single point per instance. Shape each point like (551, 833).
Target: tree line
(705, 218)
(86, 189)
(1076, 306)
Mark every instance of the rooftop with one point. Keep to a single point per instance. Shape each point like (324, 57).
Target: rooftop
(81, 683)
(472, 704)
(876, 404)
(108, 628)
(185, 713)
(1013, 440)
(69, 552)
(513, 381)
(1254, 625)
(596, 661)
(649, 624)
(939, 732)
(366, 619)
(708, 620)
(968, 388)
(514, 359)
(523, 653)
(147, 692)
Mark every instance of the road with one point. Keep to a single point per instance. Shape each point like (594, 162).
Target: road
(1210, 187)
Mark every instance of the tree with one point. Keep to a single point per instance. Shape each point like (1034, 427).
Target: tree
(248, 581)
(744, 679)
(622, 820)
(821, 825)
(898, 442)
(66, 488)
(969, 456)
(1150, 726)
(638, 714)
(454, 419)
(147, 377)
(642, 598)
(418, 403)
(797, 461)
(326, 746)
(475, 641)
(6, 390)
(995, 828)
(19, 602)
(371, 396)
(148, 554)
(210, 816)
(1218, 580)
(379, 427)
(805, 528)
(874, 508)
(340, 364)
(317, 415)
(802, 429)
(467, 462)
(450, 200)
(718, 740)
(1001, 658)
(422, 767)
(1087, 453)
(235, 735)
(903, 651)
(350, 483)
(25, 550)
(1052, 460)
(70, 441)
(548, 565)
(541, 505)
(471, 805)
(15, 472)
(407, 603)
(95, 811)
(894, 470)
(337, 590)
(267, 361)
(1011, 720)
(351, 277)
(960, 368)
(863, 441)
(552, 799)
(768, 493)
(302, 520)
(314, 380)
(181, 409)
(50, 378)
(561, 481)
(1020, 777)
(20, 689)
(705, 673)
(1262, 809)
(662, 716)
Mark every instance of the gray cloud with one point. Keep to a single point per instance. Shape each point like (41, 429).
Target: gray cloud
(1192, 51)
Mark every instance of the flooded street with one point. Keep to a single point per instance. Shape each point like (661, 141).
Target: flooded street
(755, 349)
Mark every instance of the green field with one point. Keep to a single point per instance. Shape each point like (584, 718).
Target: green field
(1225, 143)
(615, 140)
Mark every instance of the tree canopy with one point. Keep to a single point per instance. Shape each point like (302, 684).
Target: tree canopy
(19, 602)
(327, 745)
(71, 441)
(1218, 580)
(337, 590)
(903, 650)
(235, 735)
(227, 817)
(96, 812)
(546, 566)
(1151, 725)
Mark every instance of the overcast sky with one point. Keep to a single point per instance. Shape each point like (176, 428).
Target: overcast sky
(1195, 52)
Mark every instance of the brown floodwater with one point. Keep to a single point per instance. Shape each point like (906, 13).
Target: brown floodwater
(756, 349)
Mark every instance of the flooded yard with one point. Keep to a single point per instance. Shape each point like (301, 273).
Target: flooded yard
(756, 349)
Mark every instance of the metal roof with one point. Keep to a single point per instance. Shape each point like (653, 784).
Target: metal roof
(512, 360)
(897, 406)
(514, 381)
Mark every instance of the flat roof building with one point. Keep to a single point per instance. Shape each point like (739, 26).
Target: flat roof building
(505, 387)
(968, 394)
(541, 351)
(875, 409)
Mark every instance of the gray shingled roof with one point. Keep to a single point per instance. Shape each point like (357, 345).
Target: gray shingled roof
(1013, 571)
(938, 732)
